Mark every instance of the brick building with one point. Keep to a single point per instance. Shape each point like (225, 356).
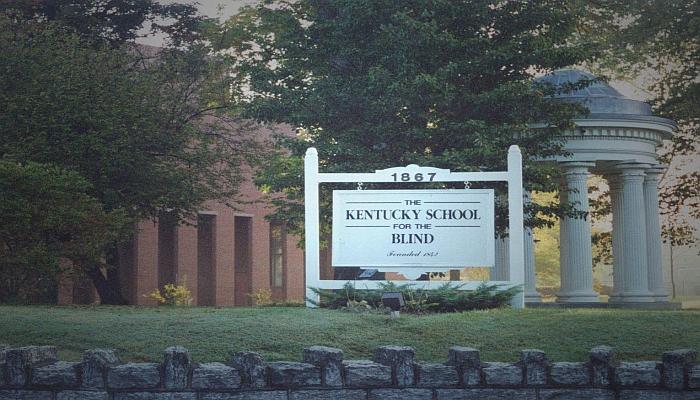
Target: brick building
(224, 257)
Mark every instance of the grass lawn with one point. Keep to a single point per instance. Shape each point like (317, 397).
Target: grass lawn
(142, 333)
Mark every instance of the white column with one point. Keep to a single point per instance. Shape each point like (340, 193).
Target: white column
(575, 242)
(501, 266)
(531, 294)
(311, 225)
(651, 208)
(615, 184)
(634, 242)
(516, 260)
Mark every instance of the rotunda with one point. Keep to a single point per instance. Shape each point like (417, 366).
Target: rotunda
(617, 140)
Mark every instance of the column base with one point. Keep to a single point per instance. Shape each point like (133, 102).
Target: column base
(632, 298)
(629, 306)
(533, 297)
(577, 297)
(662, 298)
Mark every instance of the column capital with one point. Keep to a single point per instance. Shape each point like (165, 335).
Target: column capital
(569, 165)
(632, 168)
(653, 173)
(614, 179)
(576, 170)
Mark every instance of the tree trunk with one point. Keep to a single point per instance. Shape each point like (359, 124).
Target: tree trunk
(108, 287)
(673, 279)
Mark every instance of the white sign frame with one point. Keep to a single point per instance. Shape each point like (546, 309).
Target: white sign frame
(413, 207)
(513, 177)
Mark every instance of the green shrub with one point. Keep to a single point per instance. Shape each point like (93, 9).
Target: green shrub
(446, 298)
(172, 295)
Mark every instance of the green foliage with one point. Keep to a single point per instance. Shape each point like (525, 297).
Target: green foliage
(446, 298)
(47, 215)
(172, 295)
(547, 248)
(114, 21)
(212, 333)
(140, 127)
(261, 297)
(375, 84)
(127, 128)
(656, 44)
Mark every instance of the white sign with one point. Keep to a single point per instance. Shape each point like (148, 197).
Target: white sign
(413, 228)
(313, 179)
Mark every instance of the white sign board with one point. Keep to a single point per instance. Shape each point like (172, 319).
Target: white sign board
(413, 174)
(413, 228)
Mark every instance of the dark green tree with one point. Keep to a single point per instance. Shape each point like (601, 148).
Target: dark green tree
(47, 214)
(140, 130)
(374, 84)
(114, 21)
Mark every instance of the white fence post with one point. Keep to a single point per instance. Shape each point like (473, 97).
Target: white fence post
(515, 223)
(311, 224)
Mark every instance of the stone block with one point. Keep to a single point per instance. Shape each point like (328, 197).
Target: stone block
(134, 376)
(82, 395)
(256, 395)
(293, 374)
(486, 394)
(95, 365)
(602, 359)
(366, 373)
(177, 363)
(502, 374)
(569, 374)
(436, 375)
(215, 376)
(25, 395)
(694, 377)
(19, 360)
(576, 394)
(643, 373)
(400, 359)
(251, 367)
(468, 364)
(651, 395)
(58, 374)
(156, 396)
(335, 394)
(534, 367)
(330, 360)
(675, 365)
(400, 394)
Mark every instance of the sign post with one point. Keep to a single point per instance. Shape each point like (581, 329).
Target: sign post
(413, 230)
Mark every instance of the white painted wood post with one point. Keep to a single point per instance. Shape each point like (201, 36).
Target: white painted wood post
(311, 224)
(515, 224)
(312, 180)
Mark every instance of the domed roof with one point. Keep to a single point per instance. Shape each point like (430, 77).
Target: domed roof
(601, 99)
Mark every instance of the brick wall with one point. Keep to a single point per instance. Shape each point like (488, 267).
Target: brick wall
(33, 373)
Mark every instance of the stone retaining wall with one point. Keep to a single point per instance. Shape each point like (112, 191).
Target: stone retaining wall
(34, 372)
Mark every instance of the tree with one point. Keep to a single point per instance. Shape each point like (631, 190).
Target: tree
(47, 215)
(114, 21)
(656, 44)
(374, 84)
(141, 131)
